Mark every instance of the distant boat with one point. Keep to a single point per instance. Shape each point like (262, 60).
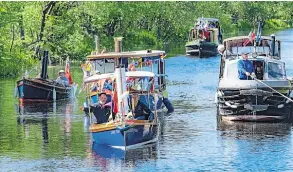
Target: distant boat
(42, 89)
(204, 38)
(264, 98)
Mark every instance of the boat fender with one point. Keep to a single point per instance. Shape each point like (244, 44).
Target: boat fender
(280, 106)
(54, 94)
(16, 92)
(168, 105)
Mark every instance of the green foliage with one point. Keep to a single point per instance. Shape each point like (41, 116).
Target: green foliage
(70, 27)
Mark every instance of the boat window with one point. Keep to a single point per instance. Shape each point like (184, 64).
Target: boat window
(250, 49)
(232, 71)
(259, 69)
(104, 65)
(138, 84)
(276, 71)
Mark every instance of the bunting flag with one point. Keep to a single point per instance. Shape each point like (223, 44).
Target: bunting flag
(251, 38)
(67, 70)
(148, 62)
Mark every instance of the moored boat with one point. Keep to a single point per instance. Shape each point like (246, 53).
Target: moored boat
(264, 97)
(43, 89)
(204, 38)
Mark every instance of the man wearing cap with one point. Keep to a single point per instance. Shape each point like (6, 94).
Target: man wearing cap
(245, 68)
(62, 79)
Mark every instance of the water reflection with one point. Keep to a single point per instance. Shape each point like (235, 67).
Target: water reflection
(40, 113)
(253, 130)
(100, 153)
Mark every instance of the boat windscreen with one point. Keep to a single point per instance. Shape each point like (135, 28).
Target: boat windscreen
(276, 71)
(250, 49)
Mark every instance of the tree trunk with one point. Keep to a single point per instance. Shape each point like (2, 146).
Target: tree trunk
(43, 21)
(21, 28)
(13, 36)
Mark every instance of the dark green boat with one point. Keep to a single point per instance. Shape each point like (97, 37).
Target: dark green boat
(204, 38)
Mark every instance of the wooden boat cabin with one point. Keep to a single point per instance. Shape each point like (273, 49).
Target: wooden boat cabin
(145, 60)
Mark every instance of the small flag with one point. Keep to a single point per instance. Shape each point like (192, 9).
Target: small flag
(67, 70)
(251, 38)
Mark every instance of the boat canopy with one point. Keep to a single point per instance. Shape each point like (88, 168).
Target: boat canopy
(132, 74)
(130, 54)
(140, 74)
(210, 22)
(97, 77)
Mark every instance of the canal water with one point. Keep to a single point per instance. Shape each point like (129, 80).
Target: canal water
(54, 137)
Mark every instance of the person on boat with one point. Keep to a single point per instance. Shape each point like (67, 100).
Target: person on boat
(140, 110)
(87, 67)
(245, 68)
(62, 79)
(206, 32)
(131, 67)
(108, 85)
(101, 110)
(200, 34)
(223, 51)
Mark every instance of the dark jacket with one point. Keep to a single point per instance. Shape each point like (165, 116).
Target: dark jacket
(102, 113)
(142, 110)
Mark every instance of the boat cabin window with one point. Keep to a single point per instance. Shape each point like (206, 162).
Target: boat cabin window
(104, 65)
(231, 70)
(139, 84)
(276, 71)
(259, 69)
(250, 49)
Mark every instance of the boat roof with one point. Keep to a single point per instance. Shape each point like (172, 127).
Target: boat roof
(129, 54)
(245, 37)
(137, 74)
(140, 74)
(208, 19)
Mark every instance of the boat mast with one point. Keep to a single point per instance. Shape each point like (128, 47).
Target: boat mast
(121, 80)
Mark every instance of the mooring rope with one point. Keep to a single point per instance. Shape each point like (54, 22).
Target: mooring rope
(288, 98)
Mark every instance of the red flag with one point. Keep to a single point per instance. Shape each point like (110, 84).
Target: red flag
(251, 38)
(67, 71)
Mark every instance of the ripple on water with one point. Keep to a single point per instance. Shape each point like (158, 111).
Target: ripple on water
(192, 138)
